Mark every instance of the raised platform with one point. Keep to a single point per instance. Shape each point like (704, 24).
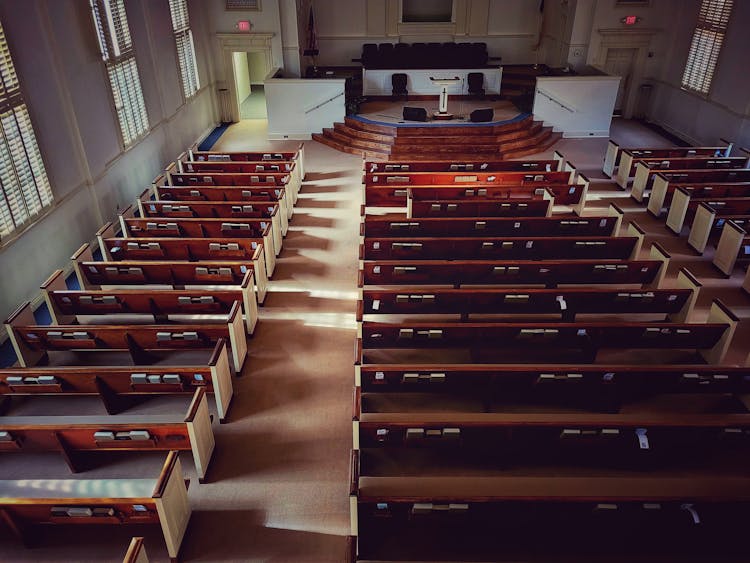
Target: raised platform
(379, 132)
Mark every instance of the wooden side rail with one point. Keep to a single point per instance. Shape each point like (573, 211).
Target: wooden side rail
(32, 342)
(475, 178)
(392, 166)
(663, 191)
(507, 248)
(564, 302)
(733, 248)
(162, 501)
(645, 177)
(614, 154)
(600, 386)
(76, 435)
(394, 225)
(278, 194)
(65, 306)
(204, 228)
(115, 249)
(136, 552)
(397, 196)
(589, 337)
(117, 385)
(481, 208)
(707, 157)
(548, 273)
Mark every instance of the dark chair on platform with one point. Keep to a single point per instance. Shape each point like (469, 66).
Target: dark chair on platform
(398, 81)
(415, 114)
(385, 53)
(476, 84)
(369, 55)
(482, 115)
(402, 55)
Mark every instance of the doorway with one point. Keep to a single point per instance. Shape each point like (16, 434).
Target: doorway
(620, 62)
(249, 73)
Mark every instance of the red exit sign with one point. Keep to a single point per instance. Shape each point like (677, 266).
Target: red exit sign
(244, 25)
(630, 20)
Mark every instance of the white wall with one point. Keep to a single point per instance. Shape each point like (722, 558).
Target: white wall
(64, 82)
(257, 66)
(241, 75)
(292, 106)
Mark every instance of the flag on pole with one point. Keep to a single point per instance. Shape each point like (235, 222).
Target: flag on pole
(311, 48)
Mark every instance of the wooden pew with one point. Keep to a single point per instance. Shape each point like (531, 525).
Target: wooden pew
(555, 164)
(734, 171)
(117, 385)
(73, 436)
(136, 552)
(677, 304)
(710, 340)
(548, 273)
(614, 153)
(506, 248)
(471, 179)
(599, 387)
(204, 228)
(395, 225)
(162, 192)
(228, 179)
(257, 209)
(663, 190)
(298, 156)
(710, 217)
(67, 306)
(733, 248)
(114, 248)
(481, 208)
(630, 158)
(32, 342)
(685, 202)
(162, 501)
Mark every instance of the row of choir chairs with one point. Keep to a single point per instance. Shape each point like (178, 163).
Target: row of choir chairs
(493, 405)
(702, 189)
(167, 295)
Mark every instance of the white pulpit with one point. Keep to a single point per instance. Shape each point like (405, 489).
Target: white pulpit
(444, 84)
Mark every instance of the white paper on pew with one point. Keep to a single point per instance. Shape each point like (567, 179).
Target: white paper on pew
(243, 269)
(529, 243)
(603, 223)
(692, 511)
(561, 301)
(642, 438)
(484, 166)
(376, 304)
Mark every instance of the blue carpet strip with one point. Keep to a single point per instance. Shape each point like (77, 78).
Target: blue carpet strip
(210, 141)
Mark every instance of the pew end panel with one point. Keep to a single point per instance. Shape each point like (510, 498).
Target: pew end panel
(106, 231)
(700, 231)
(221, 377)
(622, 175)
(746, 282)
(730, 243)
(142, 198)
(678, 210)
(170, 170)
(686, 280)
(237, 337)
(640, 182)
(578, 207)
(83, 254)
(658, 195)
(614, 211)
(559, 159)
(635, 230)
(657, 252)
(136, 552)
(728, 149)
(353, 492)
(610, 158)
(202, 441)
(172, 504)
(250, 301)
(56, 282)
(23, 316)
(569, 167)
(720, 313)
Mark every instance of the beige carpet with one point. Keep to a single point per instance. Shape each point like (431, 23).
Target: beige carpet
(279, 478)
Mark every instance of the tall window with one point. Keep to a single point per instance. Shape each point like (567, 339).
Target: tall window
(24, 187)
(116, 46)
(706, 46)
(185, 49)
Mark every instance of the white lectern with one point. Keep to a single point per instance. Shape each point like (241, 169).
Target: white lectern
(442, 112)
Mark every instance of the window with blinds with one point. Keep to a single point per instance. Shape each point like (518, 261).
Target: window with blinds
(708, 38)
(185, 49)
(24, 187)
(116, 45)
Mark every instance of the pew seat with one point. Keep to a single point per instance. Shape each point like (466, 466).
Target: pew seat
(117, 386)
(76, 436)
(26, 505)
